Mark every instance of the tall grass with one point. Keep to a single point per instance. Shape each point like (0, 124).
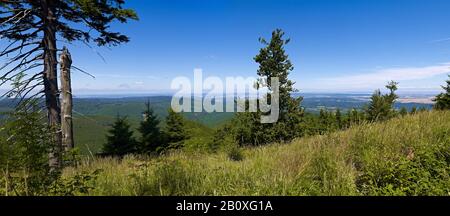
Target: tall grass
(403, 156)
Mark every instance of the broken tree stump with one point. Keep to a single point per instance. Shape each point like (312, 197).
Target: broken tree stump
(66, 104)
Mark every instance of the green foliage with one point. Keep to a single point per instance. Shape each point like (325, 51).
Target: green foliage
(273, 63)
(419, 172)
(151, 137)
(381, 106)
(69, 14)
(413, 110)
(355, 117)
(120, 139)
(234, 153)
(174, 130)
(403, 111)
(25, 143)
(24, 148)
(339, 120)
(74, 185)
(401, 156)
(442, 100)
(170, 178)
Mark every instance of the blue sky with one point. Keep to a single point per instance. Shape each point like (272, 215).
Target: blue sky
(336, 46)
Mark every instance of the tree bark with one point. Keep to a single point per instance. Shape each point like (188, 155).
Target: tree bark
(65, 62)
(51, 82)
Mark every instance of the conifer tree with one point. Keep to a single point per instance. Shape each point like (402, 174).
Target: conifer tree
(403, 111)
(120, 139)
(150, 133)
(174, 130)
(413, 110)
(273, 63)
(355, 117)
(34, 29)
(442, 100)
(381, 106)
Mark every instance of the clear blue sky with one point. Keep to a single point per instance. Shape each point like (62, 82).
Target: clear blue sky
(351, 45)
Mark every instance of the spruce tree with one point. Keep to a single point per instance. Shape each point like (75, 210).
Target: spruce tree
(34, 29)
(150, 132)
(175, 132)
(381, 106)
(403, 111)
(273, 63)
(413, 110)
(355, 117)
(442, 100)
(120, 139)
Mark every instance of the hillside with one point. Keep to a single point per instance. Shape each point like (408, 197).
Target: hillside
(90, 132)
(403, 156)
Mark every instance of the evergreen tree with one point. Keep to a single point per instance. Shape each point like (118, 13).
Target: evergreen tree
(273, 62)
(403, 111)
(24, 150)
(151, 139)
(120, 139)
(33, 30)
(355, 117)
(174, 130)
(442, 100)
(381, 106)
(413, 110)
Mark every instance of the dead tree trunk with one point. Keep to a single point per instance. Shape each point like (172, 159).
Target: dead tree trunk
(66, 104)
(51, 81)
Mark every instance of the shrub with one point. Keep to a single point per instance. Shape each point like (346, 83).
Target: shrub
(234, 153)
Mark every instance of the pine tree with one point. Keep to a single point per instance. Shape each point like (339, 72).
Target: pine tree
(149, 128)
(403, 111)
(442, 100)
(34, 29)
(174, 130)
(381, 106)
(120, 139)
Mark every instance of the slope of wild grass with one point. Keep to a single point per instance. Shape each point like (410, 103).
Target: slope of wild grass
(403, 156)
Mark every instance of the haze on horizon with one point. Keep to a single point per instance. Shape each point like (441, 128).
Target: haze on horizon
(336, 46)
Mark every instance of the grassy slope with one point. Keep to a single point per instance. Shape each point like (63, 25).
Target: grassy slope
(404, 156)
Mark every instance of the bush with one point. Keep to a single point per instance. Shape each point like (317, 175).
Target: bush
(418, 173)
(234, 153)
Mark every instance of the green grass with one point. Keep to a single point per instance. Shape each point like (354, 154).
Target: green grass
(403, 156)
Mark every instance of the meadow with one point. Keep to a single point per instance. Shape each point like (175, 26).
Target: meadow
(407, 155)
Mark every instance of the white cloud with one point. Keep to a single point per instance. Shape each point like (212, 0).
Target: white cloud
(440, 40)
(379, 77)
